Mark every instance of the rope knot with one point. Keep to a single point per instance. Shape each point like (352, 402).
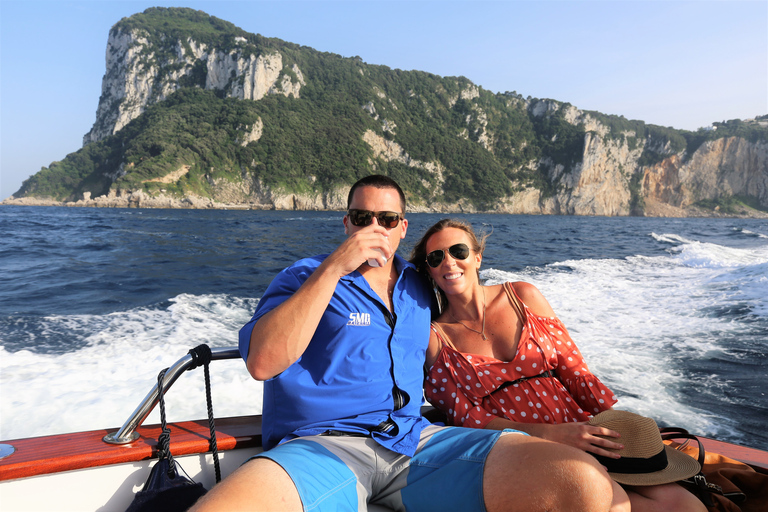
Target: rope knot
(201, 355)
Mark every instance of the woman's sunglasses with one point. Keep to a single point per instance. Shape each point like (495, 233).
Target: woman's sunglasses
(362, 218)
(458, 251)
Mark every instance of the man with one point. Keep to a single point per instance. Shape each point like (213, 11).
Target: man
(340, 342)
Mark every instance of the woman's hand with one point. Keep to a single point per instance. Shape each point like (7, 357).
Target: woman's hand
(585, 437)
(579, 435)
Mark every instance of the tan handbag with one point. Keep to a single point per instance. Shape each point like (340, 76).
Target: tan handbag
(724, 484)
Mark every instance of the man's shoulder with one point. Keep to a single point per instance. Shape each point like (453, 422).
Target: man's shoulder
(297, 272)
(310, 263)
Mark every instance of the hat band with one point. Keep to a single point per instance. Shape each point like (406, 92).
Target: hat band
(635, 464)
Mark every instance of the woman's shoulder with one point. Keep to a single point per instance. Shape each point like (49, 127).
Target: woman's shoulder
(525, 290)
(533, 298)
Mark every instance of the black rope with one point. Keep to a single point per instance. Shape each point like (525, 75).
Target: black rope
(202, 355)
(164, 440)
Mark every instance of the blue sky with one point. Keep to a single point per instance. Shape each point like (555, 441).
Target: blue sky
(683, 64)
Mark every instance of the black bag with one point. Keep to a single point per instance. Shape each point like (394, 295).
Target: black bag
(166, 490)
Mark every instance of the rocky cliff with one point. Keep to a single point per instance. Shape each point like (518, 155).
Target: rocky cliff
(601, 183)
(204, 115)
(137, 76)
(725, 167)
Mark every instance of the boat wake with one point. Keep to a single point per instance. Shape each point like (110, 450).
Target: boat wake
(679, 331)
(679, 337)
(49, 390)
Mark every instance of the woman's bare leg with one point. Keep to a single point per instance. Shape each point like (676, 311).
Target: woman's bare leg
(669, 497)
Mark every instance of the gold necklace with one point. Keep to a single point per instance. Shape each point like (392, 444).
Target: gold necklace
(482, 332)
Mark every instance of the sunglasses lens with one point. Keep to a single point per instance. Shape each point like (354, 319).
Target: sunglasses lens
(361, 218)
(435, 258)
(459, 251)
(388, 219)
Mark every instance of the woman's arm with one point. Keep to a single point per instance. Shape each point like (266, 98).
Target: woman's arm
(533, 298)
(433, 349)
(572, 370)
(579, 435)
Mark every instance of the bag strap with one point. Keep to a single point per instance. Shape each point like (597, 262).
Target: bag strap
(164, 440)
(672, 433)
(698, 480)
(201, 355)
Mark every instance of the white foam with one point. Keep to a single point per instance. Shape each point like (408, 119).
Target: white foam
(700, 254)
(336, 218)
(633, 317)
(101, 384)
(748, 232)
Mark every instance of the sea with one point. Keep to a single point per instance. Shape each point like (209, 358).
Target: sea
(672, 314)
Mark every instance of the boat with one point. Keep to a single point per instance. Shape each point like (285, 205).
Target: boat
(101, 470)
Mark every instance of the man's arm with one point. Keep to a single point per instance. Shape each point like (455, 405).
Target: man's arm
(281, 336)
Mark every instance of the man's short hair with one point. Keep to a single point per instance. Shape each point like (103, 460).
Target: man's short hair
(377, 181)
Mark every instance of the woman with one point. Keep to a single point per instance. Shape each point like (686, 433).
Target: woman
(498, 358)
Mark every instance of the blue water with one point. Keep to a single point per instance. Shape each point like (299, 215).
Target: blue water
(672, 314)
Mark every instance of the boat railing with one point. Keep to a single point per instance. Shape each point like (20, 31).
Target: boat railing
(127, 433)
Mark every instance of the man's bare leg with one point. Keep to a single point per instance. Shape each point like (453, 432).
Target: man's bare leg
(260, 484)
(530, 474)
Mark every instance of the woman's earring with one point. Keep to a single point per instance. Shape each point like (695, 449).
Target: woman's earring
(438, 297)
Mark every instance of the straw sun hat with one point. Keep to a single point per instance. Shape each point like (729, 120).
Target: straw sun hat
(645, 459)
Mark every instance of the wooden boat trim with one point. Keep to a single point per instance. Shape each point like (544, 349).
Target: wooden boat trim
(82, 450)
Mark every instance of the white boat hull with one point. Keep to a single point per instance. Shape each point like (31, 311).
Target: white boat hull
(105, 488)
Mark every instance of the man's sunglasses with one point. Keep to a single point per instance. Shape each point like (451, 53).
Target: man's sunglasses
(362, 218)
(458, 251)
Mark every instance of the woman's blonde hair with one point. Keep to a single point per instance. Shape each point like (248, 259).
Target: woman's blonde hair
(419, 252)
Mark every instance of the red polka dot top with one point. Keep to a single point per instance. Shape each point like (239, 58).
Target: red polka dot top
(474, 389)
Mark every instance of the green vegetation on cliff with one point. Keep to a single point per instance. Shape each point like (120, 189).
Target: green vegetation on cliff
(487, 145)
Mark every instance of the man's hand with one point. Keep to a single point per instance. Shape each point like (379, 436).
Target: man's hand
(371, 242)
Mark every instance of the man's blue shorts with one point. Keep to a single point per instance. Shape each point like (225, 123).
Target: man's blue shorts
(346, 473)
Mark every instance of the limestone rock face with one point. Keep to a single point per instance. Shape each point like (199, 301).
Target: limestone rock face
(252, 133)
(600, 183)
(597, 185)
(720, 168)
(136, 77)
(729, 166)
(530, 202)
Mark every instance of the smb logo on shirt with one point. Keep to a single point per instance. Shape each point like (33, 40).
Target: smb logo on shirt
(360, 319)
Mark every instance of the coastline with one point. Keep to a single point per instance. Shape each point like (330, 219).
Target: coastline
(191, 202)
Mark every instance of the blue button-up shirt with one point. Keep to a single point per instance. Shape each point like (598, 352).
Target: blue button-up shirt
(360, 363)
